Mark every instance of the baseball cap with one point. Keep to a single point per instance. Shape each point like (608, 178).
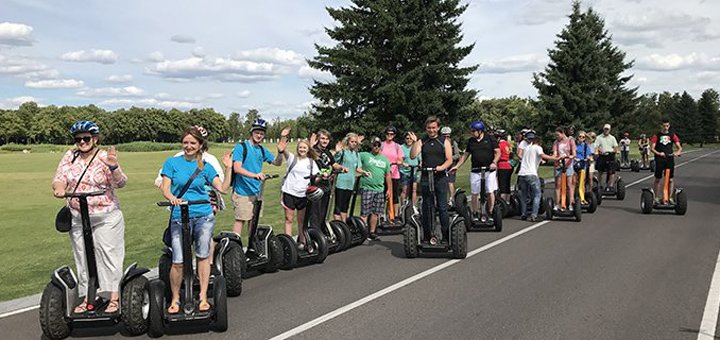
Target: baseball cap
(376, 142)
(530, 135)
(446, 130)
(606, 126)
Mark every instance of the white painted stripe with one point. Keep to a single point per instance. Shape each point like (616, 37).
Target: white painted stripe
(22, 310)
(712, 306)
(344, 309)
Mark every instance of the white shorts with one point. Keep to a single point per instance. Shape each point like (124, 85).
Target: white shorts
(491, 183)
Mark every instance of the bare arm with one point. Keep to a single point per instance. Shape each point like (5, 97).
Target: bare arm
(448, 156)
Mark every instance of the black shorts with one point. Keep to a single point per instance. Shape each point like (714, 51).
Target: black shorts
(451, 177)
(504, 176)
(291, 202)
(342, 200)
(605, 163)
(662, 163)
(395, 191)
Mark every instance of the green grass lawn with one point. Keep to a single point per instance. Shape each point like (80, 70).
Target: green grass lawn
(32, 249)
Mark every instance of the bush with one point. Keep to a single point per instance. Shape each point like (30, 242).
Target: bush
(147, 147)
(34, 147)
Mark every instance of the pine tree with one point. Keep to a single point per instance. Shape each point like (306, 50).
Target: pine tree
(584, 84)
(708, 111)
(395, 62)
(685, 119)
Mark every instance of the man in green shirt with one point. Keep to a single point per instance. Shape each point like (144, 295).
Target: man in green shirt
(376, 174)
(606, 146)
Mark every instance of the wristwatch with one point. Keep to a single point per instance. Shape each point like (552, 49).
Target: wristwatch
(114, 167)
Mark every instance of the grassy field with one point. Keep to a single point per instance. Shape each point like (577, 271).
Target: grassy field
(31, 247)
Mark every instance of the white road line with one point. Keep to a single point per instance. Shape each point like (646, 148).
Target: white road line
(22, 310)
(344, 309)
(712, 306)
(677, 166)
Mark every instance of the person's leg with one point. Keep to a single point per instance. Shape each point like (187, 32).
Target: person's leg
(427, 200)
(475, 191)
(78, 247)
(671, 184)
(491, 182)
(243, 212)
(558, 189)
(202, 228)
(396, 196)
(441, 194)
(177, 265)
(109, 237)
(414, 193)
(571, 185)
(536, 194)
(289, 219)
(301, 215)
(523, 190)
(659, 170)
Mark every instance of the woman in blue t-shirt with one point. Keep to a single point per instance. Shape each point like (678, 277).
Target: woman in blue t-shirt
(176, 172)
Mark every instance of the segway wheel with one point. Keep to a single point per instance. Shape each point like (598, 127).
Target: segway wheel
(504, 207)
(549, 203)
(410, 242)
(156, 324)
(620, 189)
(321, 245)
(164, 264)
(290, 252)
(358, 229)
(52, 313)
(220, 322)
(541, 206)
(680, 203)
(514, 205)
(233, 268)
(498, 218)
(342, 233)
(596, 191)
(652, 165)
(635, 166)
(577, 208)
(646, 202)
(462, 208)
(276, 255)
(459, 240)
(136, 305)
(592, 202)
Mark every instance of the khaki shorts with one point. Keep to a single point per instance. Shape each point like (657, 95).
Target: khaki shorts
(243, 207)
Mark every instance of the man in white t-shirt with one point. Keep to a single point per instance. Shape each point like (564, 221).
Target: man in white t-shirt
(528, 180)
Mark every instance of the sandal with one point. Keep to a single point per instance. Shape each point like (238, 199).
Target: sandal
(174, 307)
(204, 304)
(112, 306)
(81, 308)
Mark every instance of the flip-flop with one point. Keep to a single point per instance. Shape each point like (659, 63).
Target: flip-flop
(202, 304)
(174, 304)
(113, 306)
(82, 308)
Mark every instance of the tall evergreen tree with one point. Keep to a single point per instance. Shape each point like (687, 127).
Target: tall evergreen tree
(685, 120)
(708, 111)
(395, 62)
(585, 82)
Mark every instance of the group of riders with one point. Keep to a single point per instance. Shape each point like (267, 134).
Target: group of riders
(386, 172)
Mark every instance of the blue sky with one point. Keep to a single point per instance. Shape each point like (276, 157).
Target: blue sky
(236, 55)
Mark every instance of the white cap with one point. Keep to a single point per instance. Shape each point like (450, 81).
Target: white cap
(446, 130)
(606, 126)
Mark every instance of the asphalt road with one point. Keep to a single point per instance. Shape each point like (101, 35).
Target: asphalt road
(616, 275)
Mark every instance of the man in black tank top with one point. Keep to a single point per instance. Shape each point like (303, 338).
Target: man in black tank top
(661, 145)
(436, 153)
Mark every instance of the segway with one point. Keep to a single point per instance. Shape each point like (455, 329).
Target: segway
(584, 190)
(315, 249)
(358, 227)
(413, 236)
(336, 232)
(263, 252)
(57, 316)
(648, 203)
(189, 313)
(481, 220)
(618, 190)
(388, 223)
(563, 212)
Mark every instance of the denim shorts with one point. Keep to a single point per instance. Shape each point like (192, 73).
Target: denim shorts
(201, 229)
(568, 171)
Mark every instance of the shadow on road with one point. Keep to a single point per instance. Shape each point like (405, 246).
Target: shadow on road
(695, 331)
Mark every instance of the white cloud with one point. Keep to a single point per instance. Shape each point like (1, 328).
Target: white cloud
(14, 103)
(307, 72)
(93, 55)
(15, 34)
(243, 93)
(222, 69)
(18, 65)
(518, 63)
(673, 62)
(150, 102)
(156, 56)
(654, 27)
(183, 39)
(199, 52)
(55, 84)
(127, 91)
(120, 78)
(271, 55)
(538, 12)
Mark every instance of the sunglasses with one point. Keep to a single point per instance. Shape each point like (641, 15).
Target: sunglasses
(375, 145)
(390, 134)
(581, 136)
(85, 139)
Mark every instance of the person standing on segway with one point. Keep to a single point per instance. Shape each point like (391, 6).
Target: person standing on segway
(625, 148)
(528, 180)
(485, 152)
(301, 168)
(374, 186)
(606, 147)
(505, 169)
(564, 149)
(326, 162)
(446, 131)
(584, 154)
(176, 172)
(661, 145)
(248, 158)
(436, 152)
(644, 148)
(409, 184)
(395, 156)
(347, 156)
(106, 218)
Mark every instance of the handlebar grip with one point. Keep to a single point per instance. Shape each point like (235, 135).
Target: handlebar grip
(167, 203)
(271, 176)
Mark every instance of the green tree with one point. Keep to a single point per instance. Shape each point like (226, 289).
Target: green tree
(235, 127)
(394, 61)
(709, 111)
(511, 113)
(685, 119)
(584, 84)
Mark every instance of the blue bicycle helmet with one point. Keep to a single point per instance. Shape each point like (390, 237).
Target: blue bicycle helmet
(259, 124)
(84, 126)
(477, 125)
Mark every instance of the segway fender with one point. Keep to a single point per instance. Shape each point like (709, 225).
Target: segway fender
(229, 235)
(132, 272)
(65, 279)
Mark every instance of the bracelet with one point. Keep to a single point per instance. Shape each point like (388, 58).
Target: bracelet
(281, 151)
(114, 167)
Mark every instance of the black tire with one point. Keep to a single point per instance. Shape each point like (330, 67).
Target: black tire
(592, 202)
(459, 240)
(514, 205)
(635, 166)
(234, 264)
(321, 245)
(164, 264)
(220, 322)
(652, 165)
(52, 313)
(504, 207)
(596, 191)
(498, 218)
(358, 230)
(578, 211)
(680, 203)
(342, 234)
(620, 189)
(541, 206)
(275, 252)
(549, 203)
(410, 241)
(646, 202)
(156, 324)
(462, 208)
(135, 305)
(290, 252)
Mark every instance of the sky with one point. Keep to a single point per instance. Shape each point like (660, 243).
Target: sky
(238, 55)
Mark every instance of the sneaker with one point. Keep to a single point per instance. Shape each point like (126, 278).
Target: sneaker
(373, 237)
(571, 207)
(523, 218)
(556, 207)
(301, 246)
(671, 201)
(658, 200)
(533, 219)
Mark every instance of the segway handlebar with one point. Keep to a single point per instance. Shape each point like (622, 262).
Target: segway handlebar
(167, 203)
(482, 168)
(428, 169)
(84, 194)
(267, 177)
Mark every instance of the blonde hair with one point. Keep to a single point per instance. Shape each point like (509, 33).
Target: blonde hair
(311, 152)
(195, 133)
(591, 136)
(346, 139)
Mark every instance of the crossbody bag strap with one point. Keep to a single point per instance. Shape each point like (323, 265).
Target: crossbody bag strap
(84, 171)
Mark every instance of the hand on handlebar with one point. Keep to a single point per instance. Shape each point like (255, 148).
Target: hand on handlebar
(260, 176)
(176, 201)
(59, 193)
(493, 166)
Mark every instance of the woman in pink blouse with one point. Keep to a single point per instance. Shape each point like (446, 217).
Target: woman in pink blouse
(106, 219)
